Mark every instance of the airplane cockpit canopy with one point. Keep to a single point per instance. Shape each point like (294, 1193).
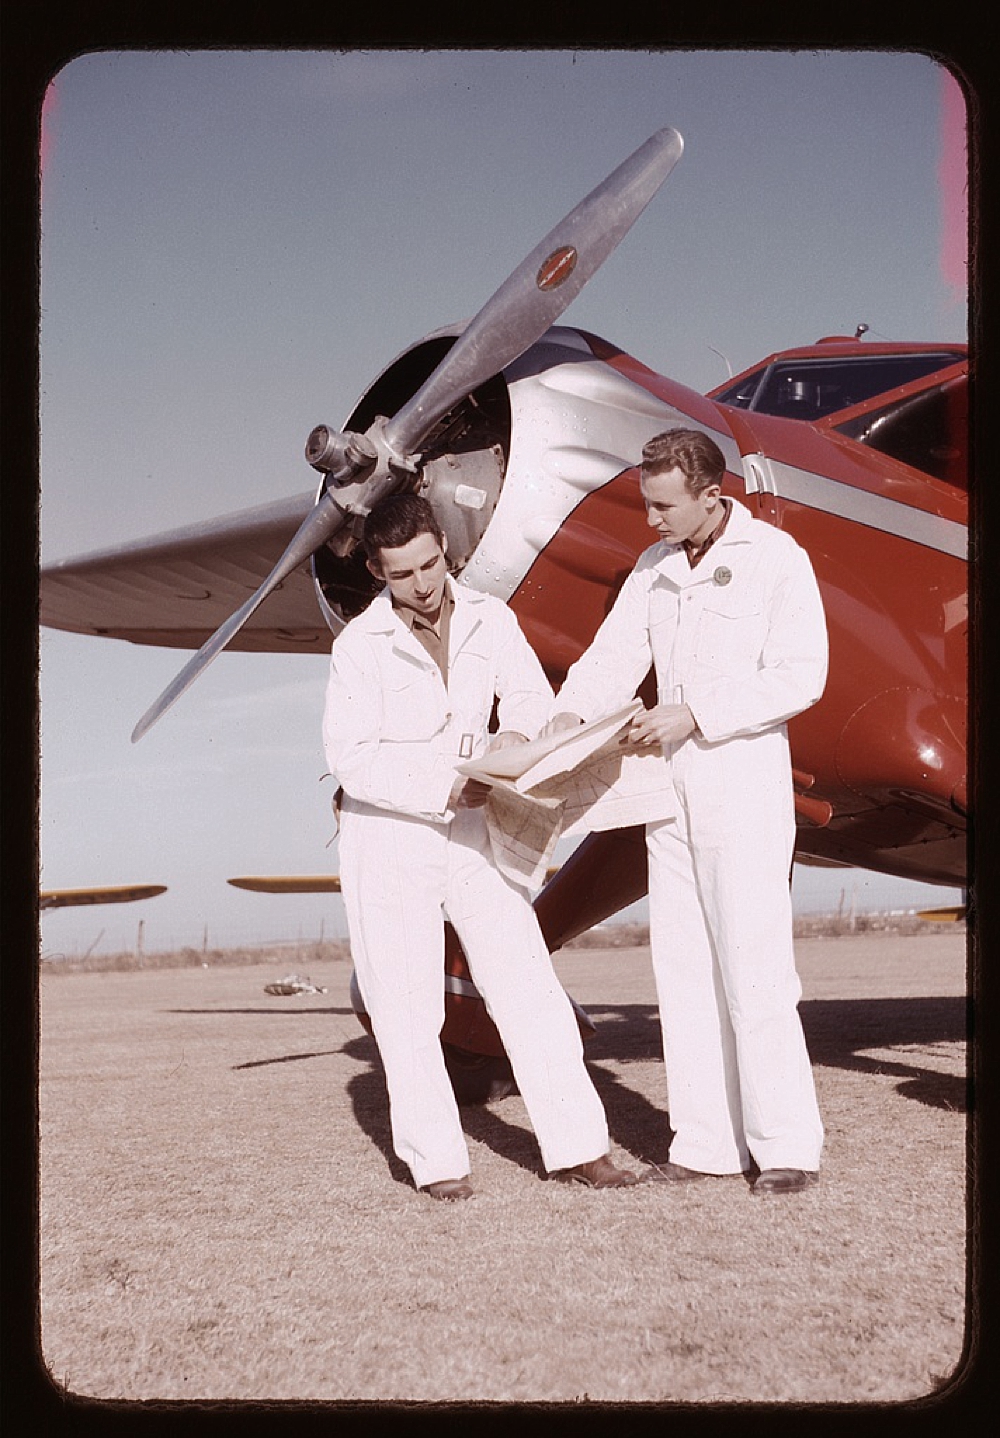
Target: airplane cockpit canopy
(928, 430)
(812, 388)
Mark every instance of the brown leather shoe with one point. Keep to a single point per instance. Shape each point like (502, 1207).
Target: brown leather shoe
(599, 1173)
(783, 1180)
(449, 1189)
(671, 1173)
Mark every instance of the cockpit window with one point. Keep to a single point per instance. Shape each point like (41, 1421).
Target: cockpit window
(928, 431)
(812, 388)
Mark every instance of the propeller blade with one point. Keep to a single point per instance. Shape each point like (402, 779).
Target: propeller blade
(323, 520)
(520, 311)
(538, 291)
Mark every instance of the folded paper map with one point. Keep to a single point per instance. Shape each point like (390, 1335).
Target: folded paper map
(574, 782)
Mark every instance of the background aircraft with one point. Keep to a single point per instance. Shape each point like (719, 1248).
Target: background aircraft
(288, 883)
(111, 894)
(193, 297)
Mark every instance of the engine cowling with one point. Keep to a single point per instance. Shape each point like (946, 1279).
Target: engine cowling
(461, 474)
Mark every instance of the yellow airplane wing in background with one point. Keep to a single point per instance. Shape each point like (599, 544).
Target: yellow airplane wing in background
(110, 894)
(289, 883)
(296, 883)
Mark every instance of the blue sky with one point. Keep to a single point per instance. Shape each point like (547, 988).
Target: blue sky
(235, 243)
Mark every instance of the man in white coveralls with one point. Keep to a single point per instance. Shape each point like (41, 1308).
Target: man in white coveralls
(410, 694)
(727, 610)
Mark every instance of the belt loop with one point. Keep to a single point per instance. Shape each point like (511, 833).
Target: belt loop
(465, 747)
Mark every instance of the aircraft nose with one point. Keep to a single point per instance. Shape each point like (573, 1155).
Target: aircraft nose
(908, 746)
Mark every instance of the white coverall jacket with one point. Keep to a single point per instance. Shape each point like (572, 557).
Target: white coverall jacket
(741, 639)
(393, 733)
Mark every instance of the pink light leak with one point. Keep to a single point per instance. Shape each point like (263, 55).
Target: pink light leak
(953, 182)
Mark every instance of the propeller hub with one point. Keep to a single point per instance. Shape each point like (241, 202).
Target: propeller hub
(341, 456)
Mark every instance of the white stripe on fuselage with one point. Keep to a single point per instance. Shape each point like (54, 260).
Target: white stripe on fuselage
(876, 511)
(465, 987)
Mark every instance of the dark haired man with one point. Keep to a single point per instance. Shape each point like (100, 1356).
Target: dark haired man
(412, 686)
(728, 612)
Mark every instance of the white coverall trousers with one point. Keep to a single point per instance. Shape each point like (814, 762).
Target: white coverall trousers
(739, 1080)
(401, 877)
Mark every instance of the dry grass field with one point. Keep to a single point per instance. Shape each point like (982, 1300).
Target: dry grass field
(222, 1217)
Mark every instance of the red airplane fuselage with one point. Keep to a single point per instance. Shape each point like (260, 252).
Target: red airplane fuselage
(880, 761)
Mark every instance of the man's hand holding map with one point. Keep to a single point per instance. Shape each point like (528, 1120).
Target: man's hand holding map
(573, 782)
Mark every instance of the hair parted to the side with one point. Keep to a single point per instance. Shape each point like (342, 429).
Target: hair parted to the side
(693, 452)
(397, 519)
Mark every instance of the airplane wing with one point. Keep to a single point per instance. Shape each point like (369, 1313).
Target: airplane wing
(288, 883)
(113, 894)
(176, 588)
(299, 883)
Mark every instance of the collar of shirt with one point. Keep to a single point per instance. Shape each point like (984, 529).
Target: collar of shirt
(434, 638)
(696, 552)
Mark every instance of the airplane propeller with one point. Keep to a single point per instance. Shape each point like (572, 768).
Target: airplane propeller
(362, 469)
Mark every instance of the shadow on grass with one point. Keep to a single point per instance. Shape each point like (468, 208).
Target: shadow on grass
(483, 1123)
(369, 1100)
(838, 1032)
(268, 1011)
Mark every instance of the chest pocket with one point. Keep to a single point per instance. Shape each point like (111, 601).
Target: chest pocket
(414, 705)
(732, 631)
(664, 604)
